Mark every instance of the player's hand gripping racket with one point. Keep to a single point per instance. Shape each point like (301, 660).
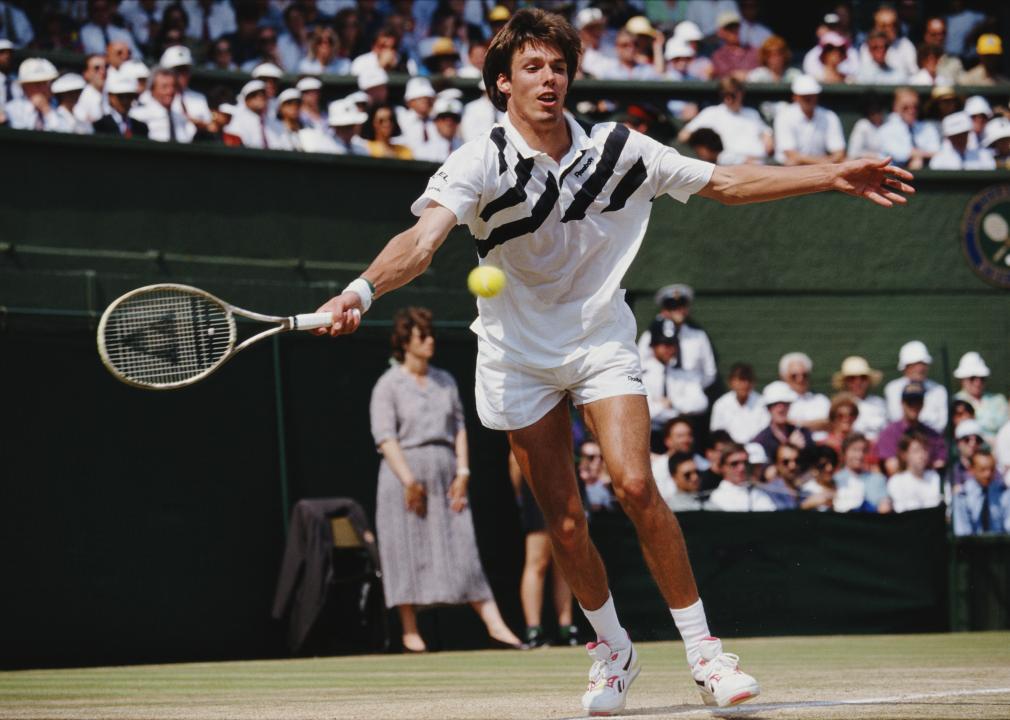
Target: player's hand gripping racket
(167, 336)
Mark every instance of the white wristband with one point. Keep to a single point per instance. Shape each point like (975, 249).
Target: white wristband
(363, 289)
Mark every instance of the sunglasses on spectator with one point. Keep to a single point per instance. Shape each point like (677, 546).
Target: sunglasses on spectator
(788, 462)
(736, 463)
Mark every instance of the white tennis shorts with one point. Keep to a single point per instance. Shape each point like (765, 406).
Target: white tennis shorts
(511, 396)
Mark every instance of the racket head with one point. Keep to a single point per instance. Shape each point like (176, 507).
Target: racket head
(165, 336)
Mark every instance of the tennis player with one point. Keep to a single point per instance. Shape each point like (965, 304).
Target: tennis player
(562, 212)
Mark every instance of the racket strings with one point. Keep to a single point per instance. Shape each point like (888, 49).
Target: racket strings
(167, 336)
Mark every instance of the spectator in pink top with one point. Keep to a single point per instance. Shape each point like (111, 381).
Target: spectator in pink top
(732, 58)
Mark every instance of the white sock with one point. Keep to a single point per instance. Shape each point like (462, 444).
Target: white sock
(607, 626)
(693, 628)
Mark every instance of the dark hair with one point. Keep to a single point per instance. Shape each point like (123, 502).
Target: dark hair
(842, 399)
(368, 130)
(219, 95)
(732, 450)
(913, 437)
(718, 437)
(529, 26)
(706, 138)
(851, 440)
(928, 50)
(787, 446)
(742, 370)
(824, 453)
(963, 406)
(404, 322)
(668, 425)
(878, 35)
(982, 452)
(730, 85)
(678, 459)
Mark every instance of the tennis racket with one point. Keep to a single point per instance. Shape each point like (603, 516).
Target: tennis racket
(167, 336)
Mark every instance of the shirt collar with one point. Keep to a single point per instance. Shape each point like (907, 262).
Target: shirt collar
(580, 140)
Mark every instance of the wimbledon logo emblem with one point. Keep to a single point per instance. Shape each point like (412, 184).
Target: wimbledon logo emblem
(985, 235)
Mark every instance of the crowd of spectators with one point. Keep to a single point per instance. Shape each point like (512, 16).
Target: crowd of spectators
(788, 447)
(139, 57)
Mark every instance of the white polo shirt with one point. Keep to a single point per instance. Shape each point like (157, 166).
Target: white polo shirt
(696, 353)
(819, 135)
(908, 492)
(742, 133)
(742, 422)
(564, 233)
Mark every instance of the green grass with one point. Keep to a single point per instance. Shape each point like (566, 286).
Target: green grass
(542, 683)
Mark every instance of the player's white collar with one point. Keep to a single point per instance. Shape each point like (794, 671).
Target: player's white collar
(580, 140)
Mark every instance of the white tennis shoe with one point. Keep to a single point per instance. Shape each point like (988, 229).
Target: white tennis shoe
(611, 675)
(720, 680)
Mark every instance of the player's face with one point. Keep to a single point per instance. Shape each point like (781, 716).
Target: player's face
(538, 85)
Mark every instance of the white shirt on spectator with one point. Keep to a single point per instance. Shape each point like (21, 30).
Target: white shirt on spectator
(479, 116)
(640, 71)
(10, 88)
(742, 422)
(897, 139)
(682, 388)
(740, 498)
(195, 104)
(870, 73)
(597, 64)
(91, 105)
(922, 77)
(289, 51)
(306, 139)
(959, 28)
(908, 492)
(156, 116)
(437, 149)
(220, 20)
(664, 481)
(742, 133)
(705, 14)
(22, 115)
(696, 352)
(901, 56)
(337, 66)
(864, 140)
(753, 34)
(950, 159)
(415, 131)
(813, 66)
(357, 146)
(138, 20)
(365, 62)
(934, 407)
(249, 127)
(94, 41)
(809, 407)
(19, 31)
(819, 135)
(1001, 450)
(872, 416)
(69, 123)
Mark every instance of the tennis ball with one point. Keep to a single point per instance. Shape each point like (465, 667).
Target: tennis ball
(486, 281)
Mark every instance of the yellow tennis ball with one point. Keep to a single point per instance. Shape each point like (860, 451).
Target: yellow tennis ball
(486, 281)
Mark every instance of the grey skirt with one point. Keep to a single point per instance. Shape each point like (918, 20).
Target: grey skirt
(434, 560)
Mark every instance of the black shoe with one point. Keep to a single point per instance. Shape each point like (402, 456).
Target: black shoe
(535, 637)
(568, 635)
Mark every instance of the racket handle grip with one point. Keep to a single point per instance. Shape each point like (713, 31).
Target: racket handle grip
(311, 321)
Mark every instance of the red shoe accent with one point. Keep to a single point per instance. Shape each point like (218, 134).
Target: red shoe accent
(740, 697)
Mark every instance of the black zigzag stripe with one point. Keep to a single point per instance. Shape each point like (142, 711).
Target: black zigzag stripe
(593, 186)
(504, 233)
(515, 194)
(498, 138)
(629, 183)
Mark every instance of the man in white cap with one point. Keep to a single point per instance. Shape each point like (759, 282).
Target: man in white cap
(778, 397)
(123, 92)
(190, 103)
(67, 90)
(91, 104)
(910, 141)
(997, 141)
(446, 113)
(913, 362)
(956, 152)
(374, 82)
(345, 120)
(289, 133)
(416, 126)
(271, 76)
(249, 123)
(311, 112)
(857, 377)
(591, 25)
(806, 134)
(808, 409)
(98, 32)
(990, 408)
(34, 110)
(700, 67)
(678, 55)
(164, 122)
(695, 352)
(978, 109)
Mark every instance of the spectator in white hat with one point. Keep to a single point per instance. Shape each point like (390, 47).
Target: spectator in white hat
(808, 409)
(249, 122)
(138, 71)
(678, 55)
(16, 27)
(806, 134)
(9, 88)
(478, 116)
(311, 111)
(91, 104)
(67, 90)
(122, 92)
(956, 152)
(345, 120)
(746, 138)
(374, 83)
(913, 362)
(164, 122)
(977, 108)
(874, 66)
(857, 377)
(270, 75)
(997, 141)
(415, 119)
(905, 138)
(446, 113)
(290, 133)
(324, 57)
(990, 408)
(35, 109)
(778, 397)
(99, 31)
(701, 67)
(741, 412)
(695, 352)
(832, 22)
(591, 25)
(189, 103)
(833, 53)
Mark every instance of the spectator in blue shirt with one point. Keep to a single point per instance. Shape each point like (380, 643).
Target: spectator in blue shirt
(983, 504)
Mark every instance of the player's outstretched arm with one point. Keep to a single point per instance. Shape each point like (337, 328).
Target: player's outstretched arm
(404, 258)
(875, 180)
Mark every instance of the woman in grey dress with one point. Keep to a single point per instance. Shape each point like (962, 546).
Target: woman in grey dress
(426, 537)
